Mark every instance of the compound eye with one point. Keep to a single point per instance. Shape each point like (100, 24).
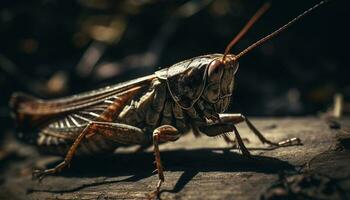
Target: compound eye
(216, 69)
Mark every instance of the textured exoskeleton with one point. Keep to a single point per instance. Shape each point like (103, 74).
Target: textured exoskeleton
(190, 95)
(186, 95)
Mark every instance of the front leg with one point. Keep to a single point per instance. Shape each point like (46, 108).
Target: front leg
(226, 123)
(236, 118)
(223, 128)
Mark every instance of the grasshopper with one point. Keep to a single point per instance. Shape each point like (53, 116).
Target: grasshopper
(188, 96)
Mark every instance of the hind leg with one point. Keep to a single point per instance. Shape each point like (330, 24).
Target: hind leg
(121, 133)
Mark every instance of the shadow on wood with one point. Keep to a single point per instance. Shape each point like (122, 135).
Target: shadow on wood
(139, 166)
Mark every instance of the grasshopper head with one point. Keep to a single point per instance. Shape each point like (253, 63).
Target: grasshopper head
(208, 77)
(220, 81)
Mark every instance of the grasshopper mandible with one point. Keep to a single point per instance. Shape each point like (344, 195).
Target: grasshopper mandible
(188, 96)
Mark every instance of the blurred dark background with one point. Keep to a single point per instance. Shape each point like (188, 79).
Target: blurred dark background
(52, 48)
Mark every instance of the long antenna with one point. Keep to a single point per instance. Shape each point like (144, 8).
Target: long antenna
(264, 39)
(245, 29)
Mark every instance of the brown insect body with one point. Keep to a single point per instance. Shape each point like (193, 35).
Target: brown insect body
(194, 90)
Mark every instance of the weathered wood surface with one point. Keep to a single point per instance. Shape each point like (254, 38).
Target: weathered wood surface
(199, 168)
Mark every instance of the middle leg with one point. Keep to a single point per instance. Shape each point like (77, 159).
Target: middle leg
(163, 133)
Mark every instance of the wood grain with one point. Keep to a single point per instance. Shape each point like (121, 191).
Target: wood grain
(195, 168)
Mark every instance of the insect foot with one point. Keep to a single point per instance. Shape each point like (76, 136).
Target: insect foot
(39, 174)
(285, 143)
(290, 142)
